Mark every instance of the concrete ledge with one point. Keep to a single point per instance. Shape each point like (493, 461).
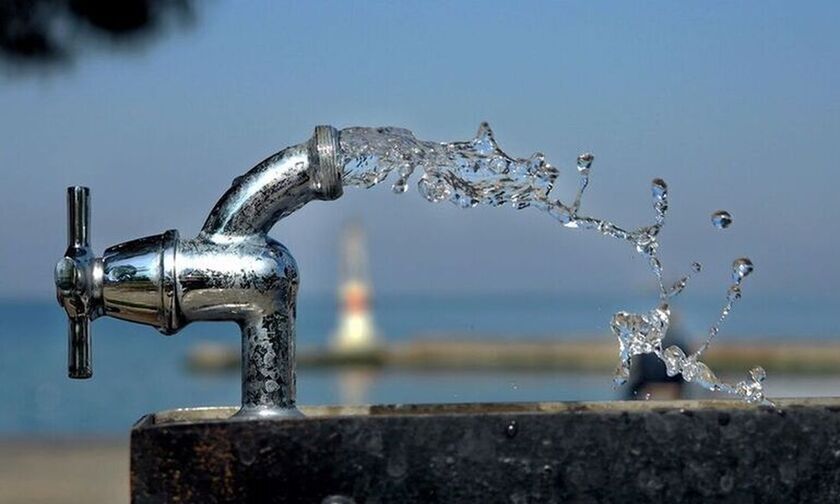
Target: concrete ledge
(684, 451)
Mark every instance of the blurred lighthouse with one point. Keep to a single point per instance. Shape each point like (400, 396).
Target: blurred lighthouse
(356, 332)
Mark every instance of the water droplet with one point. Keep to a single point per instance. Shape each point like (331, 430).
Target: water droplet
(511, 429)
(400, 186)
(727, 483)
(679, 286)
(247, 451)
(498, 166)
(741, 268)
(584, 162)
(721, 219)
(397, 464)
(758, 374)
(484, 130)
(535, 163)
(673, 357)
(696, 267)
(733, 294)
(433, 190)
(659, 189)
(484, 142)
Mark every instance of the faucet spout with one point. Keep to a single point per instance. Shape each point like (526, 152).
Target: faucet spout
(278, 186)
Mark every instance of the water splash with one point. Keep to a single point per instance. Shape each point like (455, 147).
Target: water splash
(465, 173)
(479, 172)
(468, 174)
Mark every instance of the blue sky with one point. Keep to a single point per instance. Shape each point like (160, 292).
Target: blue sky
(735, 104)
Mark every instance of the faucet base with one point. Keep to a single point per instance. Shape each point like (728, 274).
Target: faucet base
(267, 412)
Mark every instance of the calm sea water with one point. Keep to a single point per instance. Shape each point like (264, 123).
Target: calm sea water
(137, 370)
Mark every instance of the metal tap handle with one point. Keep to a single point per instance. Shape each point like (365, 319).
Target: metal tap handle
(78, 217)
(74, 282)
(78, 353)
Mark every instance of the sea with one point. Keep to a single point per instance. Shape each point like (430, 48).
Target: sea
(138, 370)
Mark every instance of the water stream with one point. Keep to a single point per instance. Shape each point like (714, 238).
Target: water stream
(478, 172)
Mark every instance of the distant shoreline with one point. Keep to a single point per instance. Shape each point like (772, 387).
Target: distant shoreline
(454, 352)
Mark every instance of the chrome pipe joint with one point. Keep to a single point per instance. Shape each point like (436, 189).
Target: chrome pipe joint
(232, 271)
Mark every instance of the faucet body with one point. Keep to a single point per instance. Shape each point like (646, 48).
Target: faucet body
(232, 271)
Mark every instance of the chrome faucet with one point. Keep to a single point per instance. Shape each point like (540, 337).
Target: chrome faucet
(231, 271)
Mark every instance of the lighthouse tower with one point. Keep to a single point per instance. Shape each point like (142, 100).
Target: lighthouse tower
(356, 331)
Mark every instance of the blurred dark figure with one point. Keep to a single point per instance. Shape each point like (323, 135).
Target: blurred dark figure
(648, 379)
(49, 31)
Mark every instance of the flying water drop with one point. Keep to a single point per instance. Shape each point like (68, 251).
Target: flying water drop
(659, 189)
(584, 162)
(400, 185)
(678, 286)
(741, 267)
(721, 219)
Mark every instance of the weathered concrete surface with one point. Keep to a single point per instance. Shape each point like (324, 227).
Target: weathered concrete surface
(714, 451)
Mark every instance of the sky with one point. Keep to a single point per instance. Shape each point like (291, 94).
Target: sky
(734, 104)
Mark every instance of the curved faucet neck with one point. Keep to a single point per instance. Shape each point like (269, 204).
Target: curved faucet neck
(278, 186)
